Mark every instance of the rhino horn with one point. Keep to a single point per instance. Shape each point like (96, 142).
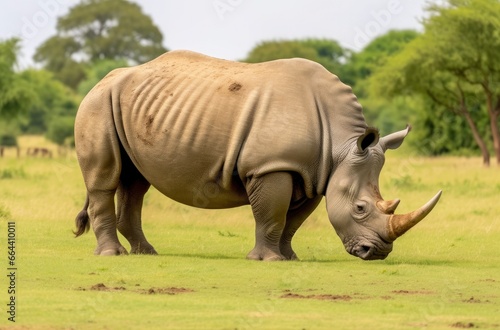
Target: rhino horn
(399, 224)
(388, 207)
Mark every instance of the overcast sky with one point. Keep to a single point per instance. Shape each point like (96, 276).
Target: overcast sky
(230, 28)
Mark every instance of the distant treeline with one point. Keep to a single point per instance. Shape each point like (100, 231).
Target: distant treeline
(444, 81)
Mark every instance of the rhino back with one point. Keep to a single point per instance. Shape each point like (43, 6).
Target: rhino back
(196, 125)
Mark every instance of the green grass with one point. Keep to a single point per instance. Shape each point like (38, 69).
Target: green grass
(443, 274)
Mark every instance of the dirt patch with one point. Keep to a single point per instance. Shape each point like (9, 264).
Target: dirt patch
(330, 297)
(412, 292)
(169, 291)
(102, 287)
(462, 325)
(473, 300)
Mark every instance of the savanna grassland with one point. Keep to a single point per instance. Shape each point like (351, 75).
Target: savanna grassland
(443, 274)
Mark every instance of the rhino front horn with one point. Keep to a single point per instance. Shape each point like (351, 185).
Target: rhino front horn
(399, 224)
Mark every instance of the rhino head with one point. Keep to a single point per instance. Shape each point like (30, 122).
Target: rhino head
(364, 221)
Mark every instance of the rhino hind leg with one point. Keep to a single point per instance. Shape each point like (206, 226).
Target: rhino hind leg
(104, 224)
(98, 153)
(294, 219)
(130, 195)
(269, 197)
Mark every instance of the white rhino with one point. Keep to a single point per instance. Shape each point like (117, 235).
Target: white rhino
(212, 133)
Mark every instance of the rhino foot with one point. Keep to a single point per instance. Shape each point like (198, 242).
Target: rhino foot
(265, 254)
(288, 253)
(292, 256)
(143, 248)
(110, 250)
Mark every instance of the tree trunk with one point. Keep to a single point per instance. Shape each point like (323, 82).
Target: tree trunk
(475, 132)
(477, 137)
(493, 112)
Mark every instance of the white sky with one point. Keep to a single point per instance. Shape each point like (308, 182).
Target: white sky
(229, 28)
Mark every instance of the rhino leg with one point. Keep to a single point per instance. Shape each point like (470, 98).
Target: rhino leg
(269, 197)
(294, 220)
(98, 151)
(130, 196)
(103, 220)
(101, 188)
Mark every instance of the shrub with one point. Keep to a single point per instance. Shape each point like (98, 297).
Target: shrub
(8, 140)
(60, 129)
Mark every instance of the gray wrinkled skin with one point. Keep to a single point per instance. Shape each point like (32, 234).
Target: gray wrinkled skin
(218, 134)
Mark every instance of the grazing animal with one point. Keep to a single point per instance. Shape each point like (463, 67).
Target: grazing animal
(215, 134)
(42, 152)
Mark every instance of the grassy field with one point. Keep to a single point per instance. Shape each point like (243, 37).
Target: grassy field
(443, 274)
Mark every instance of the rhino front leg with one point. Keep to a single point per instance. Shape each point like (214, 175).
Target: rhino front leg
(294, 220)
(130, 196)
(269, 197)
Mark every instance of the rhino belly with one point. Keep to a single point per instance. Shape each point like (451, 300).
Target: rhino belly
(196, 176)
(189, 163)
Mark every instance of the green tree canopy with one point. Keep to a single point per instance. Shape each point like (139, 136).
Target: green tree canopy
(96, 71)
(455, 64)
(328, 53)
(52, 99)
(388, 114)
(96, 30)
(15, 95)
(361, 65)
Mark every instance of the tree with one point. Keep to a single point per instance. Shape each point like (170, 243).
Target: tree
(391, 114)
(52, 99)
(32, 100)
(96, 72)
(56, 55)
(361, 65)
(440, 131)
(471, 27)
(96, 30)
(328, 53)
(15, 95)
(455, 63)
(61, 130)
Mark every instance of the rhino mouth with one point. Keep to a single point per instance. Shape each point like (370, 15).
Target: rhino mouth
(370, 251)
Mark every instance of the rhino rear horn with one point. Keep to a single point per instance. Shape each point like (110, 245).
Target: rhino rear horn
(388, 207)
(399, 224)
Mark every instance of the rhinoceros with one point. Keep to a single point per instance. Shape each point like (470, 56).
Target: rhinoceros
(215, 134)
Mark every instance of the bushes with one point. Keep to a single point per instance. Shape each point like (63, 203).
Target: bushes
(8, 140)
(60, 130)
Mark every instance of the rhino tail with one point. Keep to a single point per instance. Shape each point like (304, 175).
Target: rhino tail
(82, 220)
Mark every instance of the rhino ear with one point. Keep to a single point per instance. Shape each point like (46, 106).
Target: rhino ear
(368, 139)
(394, 140)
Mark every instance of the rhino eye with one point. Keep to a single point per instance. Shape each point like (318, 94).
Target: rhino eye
(360, 209)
